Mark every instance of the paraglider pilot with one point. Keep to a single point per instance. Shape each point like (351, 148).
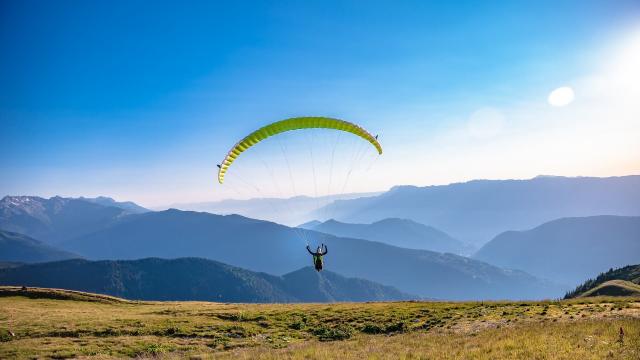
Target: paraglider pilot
(317, 256)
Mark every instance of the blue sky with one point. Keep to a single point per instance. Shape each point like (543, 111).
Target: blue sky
(140, 100)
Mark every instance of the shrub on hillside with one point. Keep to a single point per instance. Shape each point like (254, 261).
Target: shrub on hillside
(340, 332)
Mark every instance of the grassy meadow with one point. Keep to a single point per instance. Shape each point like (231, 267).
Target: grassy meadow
(60, 324)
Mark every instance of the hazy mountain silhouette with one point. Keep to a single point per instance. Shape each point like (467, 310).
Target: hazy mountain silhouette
(478, 210)
(128, 206)
(16, 247)
(397, 232)
(195, 279)
(309, 225)
(264, 246)
(568, 250)
(289, 211)
(56, 219)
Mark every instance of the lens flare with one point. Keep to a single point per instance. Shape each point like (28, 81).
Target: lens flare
(561, 96)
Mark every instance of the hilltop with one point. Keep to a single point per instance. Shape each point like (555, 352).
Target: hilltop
(57, 294)
(613, 288)
(624, 281)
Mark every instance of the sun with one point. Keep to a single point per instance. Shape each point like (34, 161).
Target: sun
(561, 96)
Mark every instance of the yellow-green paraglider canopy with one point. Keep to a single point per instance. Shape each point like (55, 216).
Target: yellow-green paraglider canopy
(288, 125)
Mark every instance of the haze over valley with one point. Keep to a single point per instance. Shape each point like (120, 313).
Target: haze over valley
(416, 258)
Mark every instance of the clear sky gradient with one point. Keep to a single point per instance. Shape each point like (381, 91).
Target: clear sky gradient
(139, 100)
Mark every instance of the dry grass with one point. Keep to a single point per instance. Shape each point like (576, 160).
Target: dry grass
(102, 329)
(614, 287)
(577, 340)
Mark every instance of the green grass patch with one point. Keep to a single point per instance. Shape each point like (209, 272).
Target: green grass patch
(63, 327)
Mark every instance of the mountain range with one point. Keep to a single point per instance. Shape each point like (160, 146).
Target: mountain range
(478, 210)
(97, 231)
(195, 279)
(568, 250)
(56, 219)
(398, 232)
(268, 247)
(537, 261)
(16, 247)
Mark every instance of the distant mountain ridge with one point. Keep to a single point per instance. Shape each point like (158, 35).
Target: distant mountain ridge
(287, 211)
(56, 219)
(268, 247)
(128, 206)
(309, 225)
(195, 279)
(568, 250)
(397, 232)
(16, 247)
(478, 210)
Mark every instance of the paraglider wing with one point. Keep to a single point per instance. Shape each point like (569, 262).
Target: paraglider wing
(288, 125)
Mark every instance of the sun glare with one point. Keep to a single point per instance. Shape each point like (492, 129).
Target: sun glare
(561, 96)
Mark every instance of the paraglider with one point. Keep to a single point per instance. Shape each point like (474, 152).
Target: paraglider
(317, 256)
(289, 125)
(299, 123)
